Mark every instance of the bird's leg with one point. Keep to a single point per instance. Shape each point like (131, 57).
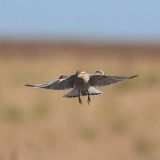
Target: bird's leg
(89, 100)
(80, 101)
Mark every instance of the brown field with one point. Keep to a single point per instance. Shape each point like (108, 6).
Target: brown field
(121, 124)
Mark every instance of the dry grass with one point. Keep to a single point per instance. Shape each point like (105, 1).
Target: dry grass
(123, 123)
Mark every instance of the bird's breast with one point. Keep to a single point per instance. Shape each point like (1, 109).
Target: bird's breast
(81, 80)
(81, 83)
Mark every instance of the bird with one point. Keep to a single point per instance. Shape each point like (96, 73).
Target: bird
(82, 83)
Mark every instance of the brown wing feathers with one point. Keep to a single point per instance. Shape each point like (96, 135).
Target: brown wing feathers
(60, 84)
(103, 80)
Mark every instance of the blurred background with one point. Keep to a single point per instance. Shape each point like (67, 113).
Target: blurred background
(39, 40)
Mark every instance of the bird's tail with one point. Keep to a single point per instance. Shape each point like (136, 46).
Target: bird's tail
(93, 91)
(82, 92)
(73, 93)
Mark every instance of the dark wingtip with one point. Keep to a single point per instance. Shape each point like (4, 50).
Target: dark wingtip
(29, 85)
(133, 76)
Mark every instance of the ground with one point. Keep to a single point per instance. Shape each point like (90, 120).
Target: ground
(122, 123)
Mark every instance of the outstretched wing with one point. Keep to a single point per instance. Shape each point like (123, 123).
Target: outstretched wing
(103, 80)
(60, 84)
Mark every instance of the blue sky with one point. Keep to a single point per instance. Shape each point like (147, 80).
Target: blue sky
(81, 18)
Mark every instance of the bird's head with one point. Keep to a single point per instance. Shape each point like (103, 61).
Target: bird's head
(82, 74)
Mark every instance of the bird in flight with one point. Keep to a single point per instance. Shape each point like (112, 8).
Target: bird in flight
(82, 83)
